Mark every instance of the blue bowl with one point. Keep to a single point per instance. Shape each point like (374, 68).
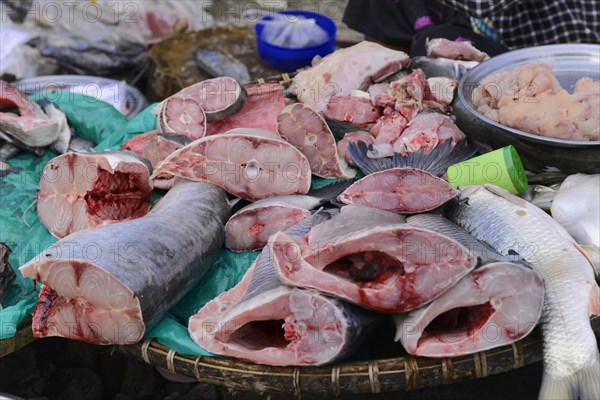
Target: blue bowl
(288, 60)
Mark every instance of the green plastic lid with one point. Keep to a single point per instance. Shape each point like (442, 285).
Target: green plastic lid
(502, 167)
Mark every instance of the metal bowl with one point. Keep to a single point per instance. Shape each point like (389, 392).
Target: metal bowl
(570, 62)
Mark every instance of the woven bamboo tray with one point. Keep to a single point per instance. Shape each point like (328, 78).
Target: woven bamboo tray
(375, 376)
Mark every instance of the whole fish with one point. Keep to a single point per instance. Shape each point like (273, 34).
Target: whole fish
(576, 208)
(509, 223)
(108, 285)
(265, 322)
(371, 258)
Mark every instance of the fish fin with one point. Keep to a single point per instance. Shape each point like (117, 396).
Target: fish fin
(359, 153)
(436, 161)
(595, 301)
(583, 384)
(331, 191)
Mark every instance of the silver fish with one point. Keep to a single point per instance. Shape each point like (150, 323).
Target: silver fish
(506, 222)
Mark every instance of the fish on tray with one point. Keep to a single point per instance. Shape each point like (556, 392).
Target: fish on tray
(345, 70)
(265, 322)
(250, 228)
(308, 132)
(109, 284)
(250, 163)
(371, 258)
(81, 191)
(509, 223)
(495, 305)
(31, 126)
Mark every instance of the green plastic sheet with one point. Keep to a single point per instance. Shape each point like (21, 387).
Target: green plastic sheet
(21, 229)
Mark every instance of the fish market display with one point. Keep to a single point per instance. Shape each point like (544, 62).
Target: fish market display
(219, 97)
(102, 293)
(80, 191)
(426, 132)
(249, 163)
(250, 228)
(31, 126)
(370, 257)
(576, 208)
(454, 50)
(350, 113)
(493, 306)
(530, 98)
(402, 190)
(508, 223)
(307, 130)
(339, 73)
(352, 137)
(7, 275)
(263, 321)
(182, 116)
(263, 104)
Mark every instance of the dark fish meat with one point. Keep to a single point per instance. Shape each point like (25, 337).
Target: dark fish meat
(108, 285)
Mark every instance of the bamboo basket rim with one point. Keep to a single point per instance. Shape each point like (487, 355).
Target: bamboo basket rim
(364, 377)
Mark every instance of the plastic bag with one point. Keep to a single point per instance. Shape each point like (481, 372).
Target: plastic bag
(296, 33)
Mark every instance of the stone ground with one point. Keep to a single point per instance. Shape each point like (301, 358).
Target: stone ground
(58, 369)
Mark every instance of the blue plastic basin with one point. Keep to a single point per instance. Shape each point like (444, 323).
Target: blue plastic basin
(286, 59)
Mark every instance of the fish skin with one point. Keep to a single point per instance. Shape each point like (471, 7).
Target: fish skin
(506, 222)
(441, 67)
(183, 231)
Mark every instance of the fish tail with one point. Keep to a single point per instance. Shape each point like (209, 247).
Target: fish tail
(583, 385)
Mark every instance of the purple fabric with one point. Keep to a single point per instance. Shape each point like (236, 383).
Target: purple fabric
(462, 39)
(422, 22)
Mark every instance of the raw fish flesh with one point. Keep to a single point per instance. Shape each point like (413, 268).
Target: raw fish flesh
(219, 97)
(454, 50)
(495, 305)
(369, 257)
(426, 132)
(308, 132)
(182, 116)
(265, 322)
(409, 93)
(157, 148)
(81, 191)
(108, 285)
(352, 137)
(250, 163)
(350, 113)
(345, 70)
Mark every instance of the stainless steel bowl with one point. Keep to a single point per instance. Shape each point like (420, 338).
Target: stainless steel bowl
(570, 62)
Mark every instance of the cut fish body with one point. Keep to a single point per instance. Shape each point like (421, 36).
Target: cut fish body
(343, 71)
(409, 93)
(157, 148)
(440, 93)
(506, 222)
(307, 131)
(182, 116)
(350, 113)
(249, 163)
(137, 143)
(260, 110)
(454, 50)
(352, 137)
(387, 131)
(262, 321)
(219, 97)
(402, 190)
(426, 132)
(109, 284)
(30, 126)
(495, 305)
(388, 267)
(80, 191)
(381, 95)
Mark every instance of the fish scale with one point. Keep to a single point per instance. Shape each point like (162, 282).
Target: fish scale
(570, 350)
